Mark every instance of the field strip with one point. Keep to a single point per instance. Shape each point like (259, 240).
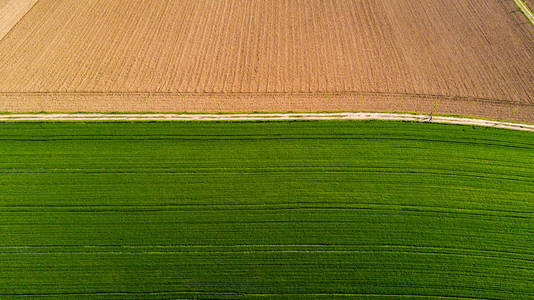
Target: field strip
(11, 12)
(526, 11)
(239, 294)
(263, 117)
(327, 94)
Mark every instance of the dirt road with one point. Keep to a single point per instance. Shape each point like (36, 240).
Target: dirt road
(11, 11)
(262, 117)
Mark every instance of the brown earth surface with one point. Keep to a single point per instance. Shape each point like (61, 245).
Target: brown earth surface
(457, 57)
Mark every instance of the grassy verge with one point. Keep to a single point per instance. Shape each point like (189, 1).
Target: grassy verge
(278, 209)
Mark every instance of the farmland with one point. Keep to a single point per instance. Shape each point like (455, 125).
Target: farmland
(456, 57)
(279, 209)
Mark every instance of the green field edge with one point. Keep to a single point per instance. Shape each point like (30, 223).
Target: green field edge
(262, 121)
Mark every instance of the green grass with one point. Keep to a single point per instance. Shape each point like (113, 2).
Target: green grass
(281, 209)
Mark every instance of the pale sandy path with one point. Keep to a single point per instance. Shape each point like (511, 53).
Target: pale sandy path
(261, 117)
(11, 11)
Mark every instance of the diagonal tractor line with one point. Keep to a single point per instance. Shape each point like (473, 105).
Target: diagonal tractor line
(526, 11)
(12, 12)
(82, 117)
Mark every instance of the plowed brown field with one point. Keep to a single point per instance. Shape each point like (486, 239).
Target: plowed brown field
(461, 57)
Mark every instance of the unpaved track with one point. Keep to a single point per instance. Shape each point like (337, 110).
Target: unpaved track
(262, 117)
(11, 11)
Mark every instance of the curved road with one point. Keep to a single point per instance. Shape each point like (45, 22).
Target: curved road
(261, 117)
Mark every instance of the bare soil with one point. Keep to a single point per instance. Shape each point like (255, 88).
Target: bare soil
(458, 57)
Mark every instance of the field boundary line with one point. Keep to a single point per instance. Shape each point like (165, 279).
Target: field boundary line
(237, 294)
(83, 117)
(525, 10)
(258, 94)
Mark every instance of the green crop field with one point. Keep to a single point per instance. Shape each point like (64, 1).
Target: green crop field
(282, 209)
